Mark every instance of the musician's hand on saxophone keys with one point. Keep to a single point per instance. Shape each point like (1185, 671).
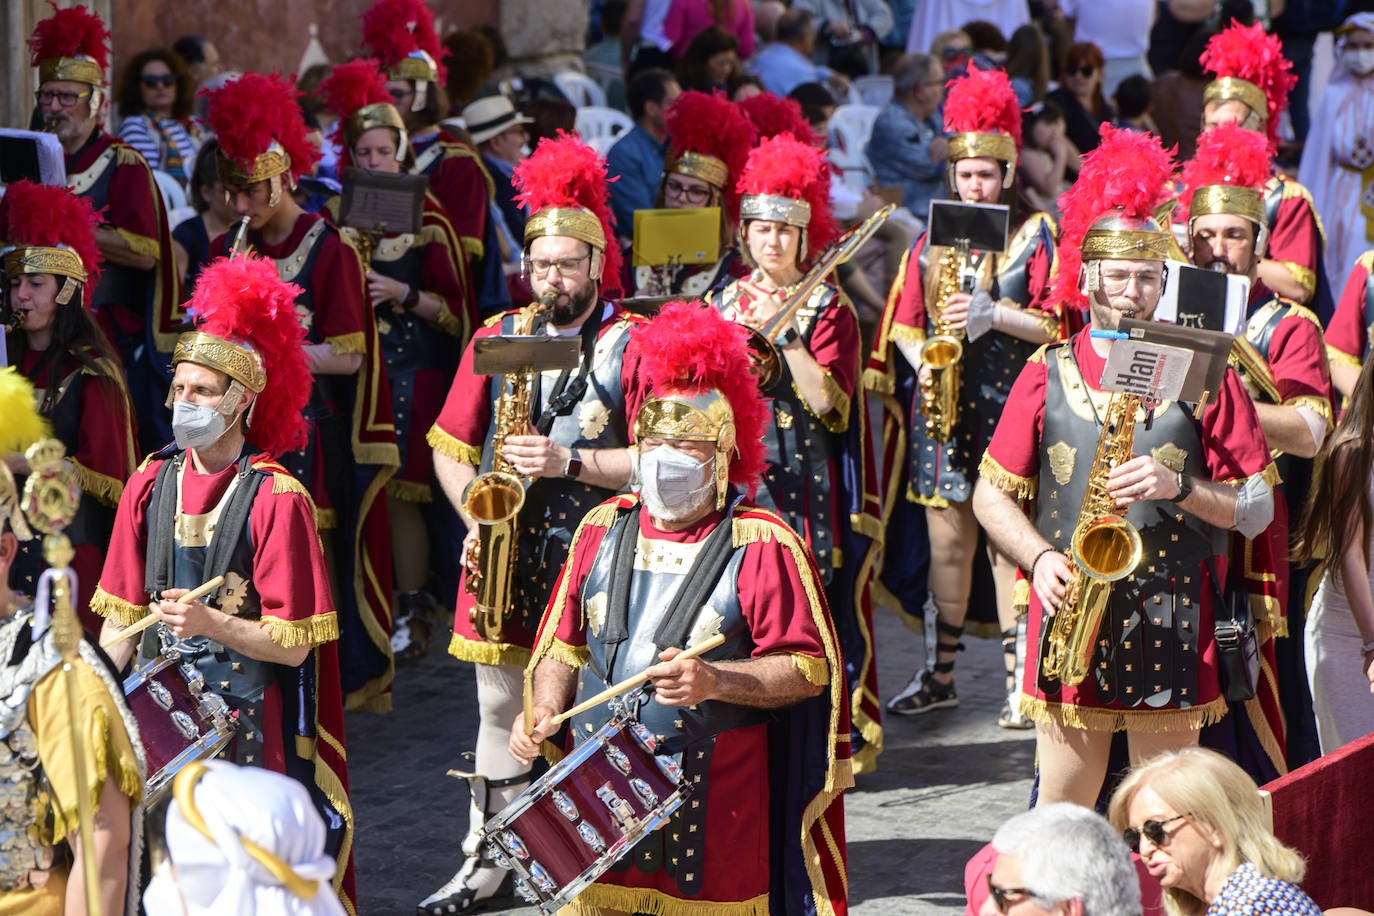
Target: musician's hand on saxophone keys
(1050, 575)
(1141, 479)
(533, 455)
(955, 314)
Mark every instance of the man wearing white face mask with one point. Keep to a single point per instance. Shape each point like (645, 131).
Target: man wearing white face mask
(687, 560)
(217, 503)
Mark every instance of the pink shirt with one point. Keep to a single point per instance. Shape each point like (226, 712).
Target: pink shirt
(689, 18)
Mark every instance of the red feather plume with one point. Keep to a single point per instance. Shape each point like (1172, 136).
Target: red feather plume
(690, 348)
(565, 172)
(1228, 154)
(773, 115)
(49, 217)
(248, 113)
(1248, 53)
(1129, 175)
(71, 32)
(347, 88)
(786, 167)
(392, 29)
(714, 126)
(983, 102)
(243, 300)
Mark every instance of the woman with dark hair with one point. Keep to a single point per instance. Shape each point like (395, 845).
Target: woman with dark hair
(1080, 97)
(155, 97)
(710, 62)
(1340, 623)
(1028, 64)
(214, 215)
(688, 18)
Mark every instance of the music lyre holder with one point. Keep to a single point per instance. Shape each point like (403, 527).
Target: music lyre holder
(381, 201)
(517, 353)
(1206, 368)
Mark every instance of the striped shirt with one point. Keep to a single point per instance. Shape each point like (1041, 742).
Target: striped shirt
(168, 145)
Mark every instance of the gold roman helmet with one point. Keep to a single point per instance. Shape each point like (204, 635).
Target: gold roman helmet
(1228, 88)
(698, 165)
(704, 417)
(236, 360)
(978, 146)
(378, 114)
(38, 259)
(1125, 238)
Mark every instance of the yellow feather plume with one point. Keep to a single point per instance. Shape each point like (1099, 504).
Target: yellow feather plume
(20, 424)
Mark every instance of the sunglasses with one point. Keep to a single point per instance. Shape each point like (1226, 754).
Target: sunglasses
(1080, 71)
(1156, 832)
(953, 53)
(1000, 894)
(163, 79)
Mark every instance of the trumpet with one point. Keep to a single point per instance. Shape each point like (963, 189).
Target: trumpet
(238, 238)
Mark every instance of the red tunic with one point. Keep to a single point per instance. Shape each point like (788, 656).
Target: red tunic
(460, 181)
(1295, 233)
(1347, 336)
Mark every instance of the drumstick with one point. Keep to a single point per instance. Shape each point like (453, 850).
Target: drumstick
(634, 681)
(152, 618)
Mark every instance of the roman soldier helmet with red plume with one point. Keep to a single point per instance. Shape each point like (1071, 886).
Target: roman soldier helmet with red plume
(72, 44)
(697, 368)
(1227, 175)
(563, 187)
(1109, 211)
(984, 120)
(400, 33)
(50, 230)
(356, 93)
(261, 131)
(1249, 66)
(773, 115)
(246, 327)
(709, 137)
(788, 181)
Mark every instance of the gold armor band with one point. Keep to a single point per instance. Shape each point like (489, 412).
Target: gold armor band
(233, 359)
(70, 68)
(778, 209)
(1225, 198)
(419, 67)
(569, 221)
(706, 416)
(62, 262)
(267, 165)
(1127, 244)
(378, 114)
(1230, 87)
(696, 165)
(974, 146)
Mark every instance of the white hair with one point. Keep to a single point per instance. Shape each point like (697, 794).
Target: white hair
(1068, 852)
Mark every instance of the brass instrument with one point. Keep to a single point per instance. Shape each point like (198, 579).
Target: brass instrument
(767, 358)
(1104, 548)
(944, 352)
(492, 500)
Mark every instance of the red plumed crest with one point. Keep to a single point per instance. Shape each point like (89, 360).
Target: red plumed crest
(71, 32)
(50, 217)
(689, 348)
(1226, 154)
(983, 102)
(392, 29)
(347, 88)
(1249, 53)
(773, 115)
(251, 111)
(1128, 174)
(712, 125)
(243, 300)
(786, 167)
(565, 172)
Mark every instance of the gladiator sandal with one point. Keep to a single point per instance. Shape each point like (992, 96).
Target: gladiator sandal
(468, 890)
(410, 636)
(924, 692)
(1013, 654)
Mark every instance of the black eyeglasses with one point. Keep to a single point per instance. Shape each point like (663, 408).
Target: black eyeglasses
(1080, 71)
(1000, 895)
(1156, 832)
(566, 267)
(65, 99)
(152, 81)
(674, 188)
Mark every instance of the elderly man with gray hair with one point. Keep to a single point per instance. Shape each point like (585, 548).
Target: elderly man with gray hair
(1064, 859)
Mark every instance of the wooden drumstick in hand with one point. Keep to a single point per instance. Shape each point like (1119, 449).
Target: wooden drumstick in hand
(633, 681)
(146, 622)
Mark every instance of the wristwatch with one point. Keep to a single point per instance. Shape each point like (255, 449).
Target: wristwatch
(574, 466)
(1185, 486)
(787, 337)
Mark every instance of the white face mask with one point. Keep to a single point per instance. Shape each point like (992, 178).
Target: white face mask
(1361, 62)
(674, 485)
(196, 425)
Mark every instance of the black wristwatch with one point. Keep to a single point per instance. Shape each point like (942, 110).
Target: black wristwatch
(1185, 486)
(574, 466)
(787, 337)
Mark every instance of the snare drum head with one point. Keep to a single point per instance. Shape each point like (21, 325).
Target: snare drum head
(178, 718)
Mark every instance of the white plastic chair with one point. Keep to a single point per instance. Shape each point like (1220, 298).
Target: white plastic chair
(580, 89)
(173, 198)
(600, 127)
(850, 128)
(871, 90)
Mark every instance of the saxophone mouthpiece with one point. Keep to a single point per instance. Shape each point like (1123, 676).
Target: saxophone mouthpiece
(1219, 267)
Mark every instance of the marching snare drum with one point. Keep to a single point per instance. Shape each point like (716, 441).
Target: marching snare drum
(179, 718)
(585, 813)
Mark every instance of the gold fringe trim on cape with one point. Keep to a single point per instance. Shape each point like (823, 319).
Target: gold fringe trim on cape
(1089, 718)
(878, 382)
(100, 487)
(140, 245)
(1305, 276)
(328, 782)
(1342, 358)
(572, 656)
(656, 903)
(446, 321)
(930, 502)
(347, 343)
(313, 631)
(452, 447)
(815, 670)
(1266, 608)
(904, 332)
(326, 519)
(116, 609)
(1020, 596)
(488, 653)
(1320, 406)
(410, 491)
(1271, 475)
(1013, 485)
(835, 420)
(127, 773)
(474, 247)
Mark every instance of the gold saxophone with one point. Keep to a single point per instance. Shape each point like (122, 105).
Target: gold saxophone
(944, 353)
(1104, 548)
(493, 500)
